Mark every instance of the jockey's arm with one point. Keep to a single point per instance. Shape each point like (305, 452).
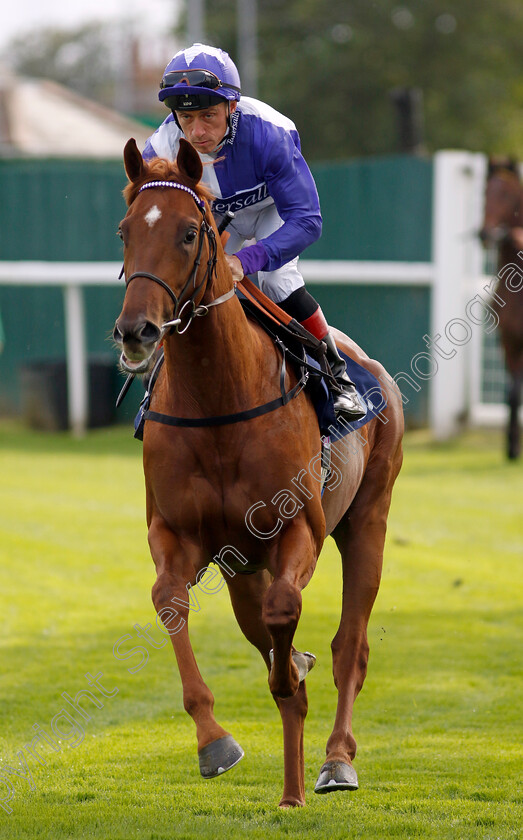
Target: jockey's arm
(291, 185)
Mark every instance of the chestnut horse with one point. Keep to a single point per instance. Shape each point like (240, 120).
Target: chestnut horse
(217, 464)
(503, 213)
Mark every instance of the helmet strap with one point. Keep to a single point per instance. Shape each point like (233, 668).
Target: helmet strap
(229, 127)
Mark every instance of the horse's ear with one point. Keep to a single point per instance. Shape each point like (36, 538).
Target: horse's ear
(133, 161)
(189, 162)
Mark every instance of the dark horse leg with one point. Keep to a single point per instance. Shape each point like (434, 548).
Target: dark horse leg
(360, 537)
(514, 402)
(247, 594)
(217, 749)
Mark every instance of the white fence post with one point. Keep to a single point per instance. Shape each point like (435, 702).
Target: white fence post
(77, 369)
(456, 257)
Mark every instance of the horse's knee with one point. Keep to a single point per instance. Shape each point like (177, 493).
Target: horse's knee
(282, 606)
(350, 656)
(295, 707)
(162, 594)
(161, 591)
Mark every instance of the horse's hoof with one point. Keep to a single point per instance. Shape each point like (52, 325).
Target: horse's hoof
(219, 756)
(336, 775)
(292, 803)
(304, 662)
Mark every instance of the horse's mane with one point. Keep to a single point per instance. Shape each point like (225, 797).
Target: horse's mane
(161, 169)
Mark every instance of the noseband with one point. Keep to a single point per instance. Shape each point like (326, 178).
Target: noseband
(205, 231)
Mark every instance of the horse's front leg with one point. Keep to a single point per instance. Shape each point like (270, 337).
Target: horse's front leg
(175, 568)
(247, 597)
(514, 401)
(295, 561)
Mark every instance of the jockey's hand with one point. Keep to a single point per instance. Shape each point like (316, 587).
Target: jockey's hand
(517, 236)
(235, 266)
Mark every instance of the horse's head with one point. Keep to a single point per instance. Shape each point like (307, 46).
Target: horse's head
(503, 202)
(168, 239)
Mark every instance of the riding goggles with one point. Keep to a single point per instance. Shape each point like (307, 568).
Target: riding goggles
(194, 78)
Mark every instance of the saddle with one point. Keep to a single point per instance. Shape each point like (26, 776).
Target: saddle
(297, 345)
(288, 333)
(308, 354)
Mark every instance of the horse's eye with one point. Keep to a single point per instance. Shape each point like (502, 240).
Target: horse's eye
(190, 236)
(119, 233)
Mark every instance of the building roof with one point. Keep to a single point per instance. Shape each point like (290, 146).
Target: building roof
(41, 118)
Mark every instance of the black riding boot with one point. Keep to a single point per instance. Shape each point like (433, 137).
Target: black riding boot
(304, 308)
(347, 402)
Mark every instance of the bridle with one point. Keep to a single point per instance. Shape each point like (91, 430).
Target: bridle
(205, 232)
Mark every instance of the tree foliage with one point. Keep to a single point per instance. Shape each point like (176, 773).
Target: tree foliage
(331, 65)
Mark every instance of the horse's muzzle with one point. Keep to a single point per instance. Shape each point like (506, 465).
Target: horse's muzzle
(137, 343)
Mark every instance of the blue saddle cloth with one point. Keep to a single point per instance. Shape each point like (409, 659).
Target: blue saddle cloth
(367, 387)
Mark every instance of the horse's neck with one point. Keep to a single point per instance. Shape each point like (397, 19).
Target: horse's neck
(217, 366)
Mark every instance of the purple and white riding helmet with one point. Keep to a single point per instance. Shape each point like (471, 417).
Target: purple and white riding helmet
(199, 77)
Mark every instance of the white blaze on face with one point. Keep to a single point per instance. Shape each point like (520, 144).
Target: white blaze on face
(152, 216)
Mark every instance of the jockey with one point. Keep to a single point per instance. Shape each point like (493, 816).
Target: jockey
(256, 170)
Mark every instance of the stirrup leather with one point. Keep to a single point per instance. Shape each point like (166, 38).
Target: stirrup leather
(347, 401)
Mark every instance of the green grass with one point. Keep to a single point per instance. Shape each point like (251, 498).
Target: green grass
(438, 722)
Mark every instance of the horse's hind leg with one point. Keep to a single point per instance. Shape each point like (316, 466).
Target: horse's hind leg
(217, 749)
(513, 431)
(247, 596)
(360, 537)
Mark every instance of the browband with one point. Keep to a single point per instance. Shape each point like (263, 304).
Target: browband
(150, 184)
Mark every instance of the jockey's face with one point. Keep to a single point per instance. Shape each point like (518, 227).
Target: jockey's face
(205, 129)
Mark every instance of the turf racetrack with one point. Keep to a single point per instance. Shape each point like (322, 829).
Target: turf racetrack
(438, 722)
